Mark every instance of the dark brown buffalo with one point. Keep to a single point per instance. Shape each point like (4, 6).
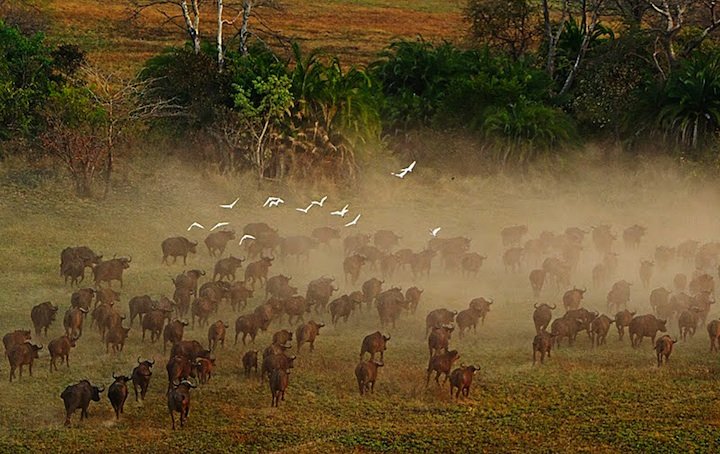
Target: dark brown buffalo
(84, 253)
(326, 234)
(182, 298)
(250, 361)
(205, 368)
(139, 306)
(82, 298)
(248, 324)
(111, 270)
(663, 348)
(216, 333)
(471, 263)
(116, 337)
(470, 317)
(188, 280)
(713, 329)
(462, 378)
(566, 328)
(353, 243)
(342, 307)
(296, 306)
(366, 374)
(623, 319)
(374, 343)
(412, 296)
(405, 257)
(438, 317)
(239, 295)
(421, 263)
(258, 271)
(106, 296)
(619, 295)
(678, 303)
(14, 338)
(660, 302)
(279, 380)
(307, 333)
(179, 368)
(190, 349)
(632, 236)
(178, 398)
(390, 305)
(279, 287)
(42, 316)
(646, 272)
(687, 250)
(112, 319)
(599, 330)
(282, 337)
(451, 250)
(371, 289)
(154, 322)
(118, 393)
(688, 321)
(385, 240)
(173, 332)
(79, 396)
(542, 316)
(73, 270)
(73, 321)
(20, 355)
(537, 280)
(513, 235)
(178, 246)
(585, 315)
(558, 269)
(276, 361)
(352, 266)
(542, 344)
(217, 241)
(60, 348)
(441, 364)
(215, 291)
(439, 339)
(319, 293)
(226, 268)
(201, 309)
(645, 326)
(141, 377)
(572, 298)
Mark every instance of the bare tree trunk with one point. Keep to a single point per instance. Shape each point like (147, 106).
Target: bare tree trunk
(192, 23)
(220, 50)
(244, 34)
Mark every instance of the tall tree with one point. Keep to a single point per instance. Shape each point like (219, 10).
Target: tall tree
(175, 11)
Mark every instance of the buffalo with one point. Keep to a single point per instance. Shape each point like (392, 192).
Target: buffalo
(319, 292)
(537, 280)
(438, 317)
(42, 316)
(178, 246)
(353, 243)
(513, 235)
(82, 298)
(542, 316)
(118, 392)
(217, 241)
(227, 267)
(366, 375)
(173, 332)
(646, 271)
(111, 270)
(385, 240)
(441, 364)
(461, 378)
(79, 396)
(60, 348)
(16, 337)
(326, 234)
(439, 339)
(713, 329)
(645, 326)
(250, 361)
(390, 305)
(599, 329)
(116, 337)
(216, 333)
(178, 398)
(20, 355)
(412, 296)
(258, 271)
(374, 343)
(663, 348)
(307, 333)
(542, 344)
(352, 266)
(73, 321)
(278, 384)
(572, 298)
(623, 319)
(141, 377)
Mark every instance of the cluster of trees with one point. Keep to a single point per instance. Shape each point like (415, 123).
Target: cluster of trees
(534, 78)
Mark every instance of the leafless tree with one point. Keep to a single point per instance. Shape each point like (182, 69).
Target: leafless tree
(127, 103)
(184, 14)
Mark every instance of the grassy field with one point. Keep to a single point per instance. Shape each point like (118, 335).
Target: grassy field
(610, 399)
(353, 29)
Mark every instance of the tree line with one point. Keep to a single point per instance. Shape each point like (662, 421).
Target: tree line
(532, 78)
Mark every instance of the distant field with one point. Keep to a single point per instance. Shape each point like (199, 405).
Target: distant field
(354, 30)
(582, 400)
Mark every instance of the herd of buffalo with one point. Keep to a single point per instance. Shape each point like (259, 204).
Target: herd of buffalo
(552, 261)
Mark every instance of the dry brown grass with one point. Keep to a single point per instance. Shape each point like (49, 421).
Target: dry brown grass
(353, 30)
